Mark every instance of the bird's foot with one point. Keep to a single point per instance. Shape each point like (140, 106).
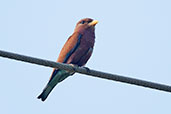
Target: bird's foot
(73, 68)
(87, 69)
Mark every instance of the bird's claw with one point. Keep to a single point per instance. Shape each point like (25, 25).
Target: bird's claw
(87, 69)
(76, 66)
(73, 68)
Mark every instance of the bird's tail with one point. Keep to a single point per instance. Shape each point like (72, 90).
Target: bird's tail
(57, 76)
(45, 93)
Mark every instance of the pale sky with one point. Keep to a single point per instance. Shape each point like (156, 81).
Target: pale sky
(133, 38)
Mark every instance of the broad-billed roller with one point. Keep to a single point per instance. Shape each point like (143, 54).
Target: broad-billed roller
(76, 51)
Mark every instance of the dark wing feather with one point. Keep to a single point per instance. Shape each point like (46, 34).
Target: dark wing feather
(68, 49)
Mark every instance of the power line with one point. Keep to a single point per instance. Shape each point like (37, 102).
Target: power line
(88, 71)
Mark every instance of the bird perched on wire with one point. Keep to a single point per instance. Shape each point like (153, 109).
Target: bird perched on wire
(76, 51)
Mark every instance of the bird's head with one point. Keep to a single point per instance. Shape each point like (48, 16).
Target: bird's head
(86, 24)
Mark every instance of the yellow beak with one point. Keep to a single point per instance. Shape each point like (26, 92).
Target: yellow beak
(93, 23)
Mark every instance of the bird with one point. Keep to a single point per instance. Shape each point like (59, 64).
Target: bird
(76, 51)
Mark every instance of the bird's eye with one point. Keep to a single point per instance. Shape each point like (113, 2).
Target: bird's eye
(90, 21)
(82, 22)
